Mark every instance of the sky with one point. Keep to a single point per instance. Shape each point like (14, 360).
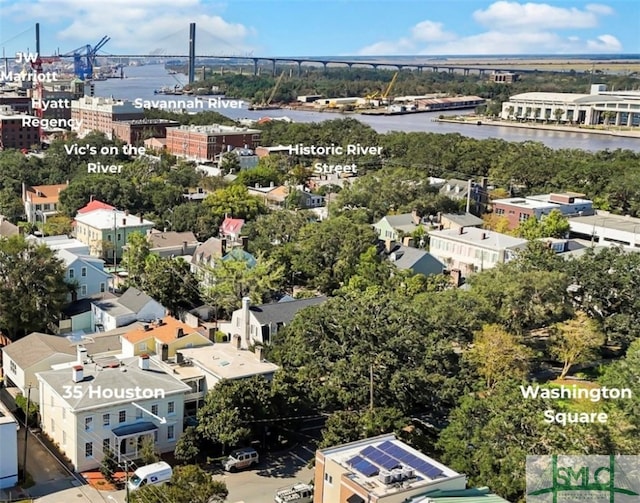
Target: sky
(325, 27)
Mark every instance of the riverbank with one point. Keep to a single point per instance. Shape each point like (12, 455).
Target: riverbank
(479, 120)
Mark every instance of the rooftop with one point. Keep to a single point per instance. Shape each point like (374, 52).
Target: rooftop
(522, 202)
(577, 197)
(282, 312)
(45, 193)
(36, 347)
(166, 331)
(5, 416)
(170, 239)
(372, 460)
(480, 237)
(479, 495)
(105, 219)
(216, 129)
(463, 219)
(225, 361)
(132, 301)
(604, 220)
(94, 204)
(119, 376)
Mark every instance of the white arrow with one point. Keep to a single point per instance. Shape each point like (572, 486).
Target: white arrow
(161, 419)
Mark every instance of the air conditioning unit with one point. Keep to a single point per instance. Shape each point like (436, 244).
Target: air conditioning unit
(407, 472)
(385, 477)
(397, 475)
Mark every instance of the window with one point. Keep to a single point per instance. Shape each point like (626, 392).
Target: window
(119, 237)
(523, 217)
(102, 287)
(83, 272)
(88, 450)
(142, 346)
(171, 432)
(83, 289)
(106, 419)
(88, 423)
(122, 416)
(171, 408)
(155, 436)
(12, 366)
(499, 211)
(328, 478)
(72, 273)
(106, 445)
(154, 409)
(138, 414)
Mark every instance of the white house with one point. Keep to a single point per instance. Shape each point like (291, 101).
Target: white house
(470, 249)
(133, 305)
(258, 324)
(37, 352)
(111, 404)
(9, 442)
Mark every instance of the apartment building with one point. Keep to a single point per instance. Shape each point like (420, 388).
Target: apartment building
(14, 134)
(41, 201)
(135, 132)
(204, 143)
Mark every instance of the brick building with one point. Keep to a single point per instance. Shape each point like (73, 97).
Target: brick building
(519, 209)
(205, 142)
(99, 114)
(135, 132)
(13, 134)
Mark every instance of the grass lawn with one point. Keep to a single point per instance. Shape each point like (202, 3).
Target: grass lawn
(580, 404)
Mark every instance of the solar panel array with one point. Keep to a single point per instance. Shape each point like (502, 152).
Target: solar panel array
(389, 456)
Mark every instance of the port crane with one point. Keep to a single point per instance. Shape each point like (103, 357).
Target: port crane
(267, 104)
(84, 59)
(385, 96)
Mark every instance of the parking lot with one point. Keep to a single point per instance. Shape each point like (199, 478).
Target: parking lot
(258, 485)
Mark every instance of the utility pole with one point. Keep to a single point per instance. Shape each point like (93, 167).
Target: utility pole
(468, 195)
(26, 433)
(126, 479)
(371, 386)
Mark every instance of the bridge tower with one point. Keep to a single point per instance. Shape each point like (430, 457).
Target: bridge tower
(192, 52)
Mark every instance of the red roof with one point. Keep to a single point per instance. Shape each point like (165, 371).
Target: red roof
(231, 225)
(96, 205)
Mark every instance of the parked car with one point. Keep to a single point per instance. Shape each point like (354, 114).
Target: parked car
(154, 474)
(240, 459)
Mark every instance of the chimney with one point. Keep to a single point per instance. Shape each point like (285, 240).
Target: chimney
(259, 351)
(124, 221)
(126, 212)
(143, 362)
(146, 327)
(164, 352)
(179, 357)
(82, 355)
(246, 307)
(78, 374)
(141, 219)
(461, 230)
(179, 332)
(184, 247)
(484, 235)
(456, 277)
(388, 245)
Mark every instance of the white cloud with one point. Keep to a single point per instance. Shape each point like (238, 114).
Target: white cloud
(515, 28)
(138, 26)
(513, 15)
(430, 31)
(605, 43)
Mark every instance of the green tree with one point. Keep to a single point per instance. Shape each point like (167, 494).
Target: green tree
(11, 206)
(187, 448)
(57, 225)
(171, 282)
(231, 280)
(575, 341)
(236, 201)
(497, 355)
(133, 259)
(33, 290)
(147, 452)
(230, 163)
(109, 465)
(189, 484)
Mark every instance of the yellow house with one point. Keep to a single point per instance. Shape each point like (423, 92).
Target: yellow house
(162, 338)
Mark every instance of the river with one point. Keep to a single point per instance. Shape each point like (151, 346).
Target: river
(141, 81)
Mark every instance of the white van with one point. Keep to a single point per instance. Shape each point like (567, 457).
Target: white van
(242, 458)
(155, 474)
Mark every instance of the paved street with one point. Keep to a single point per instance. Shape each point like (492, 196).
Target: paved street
(260, 484)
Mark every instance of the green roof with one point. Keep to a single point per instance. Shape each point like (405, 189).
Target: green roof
(478, 495)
